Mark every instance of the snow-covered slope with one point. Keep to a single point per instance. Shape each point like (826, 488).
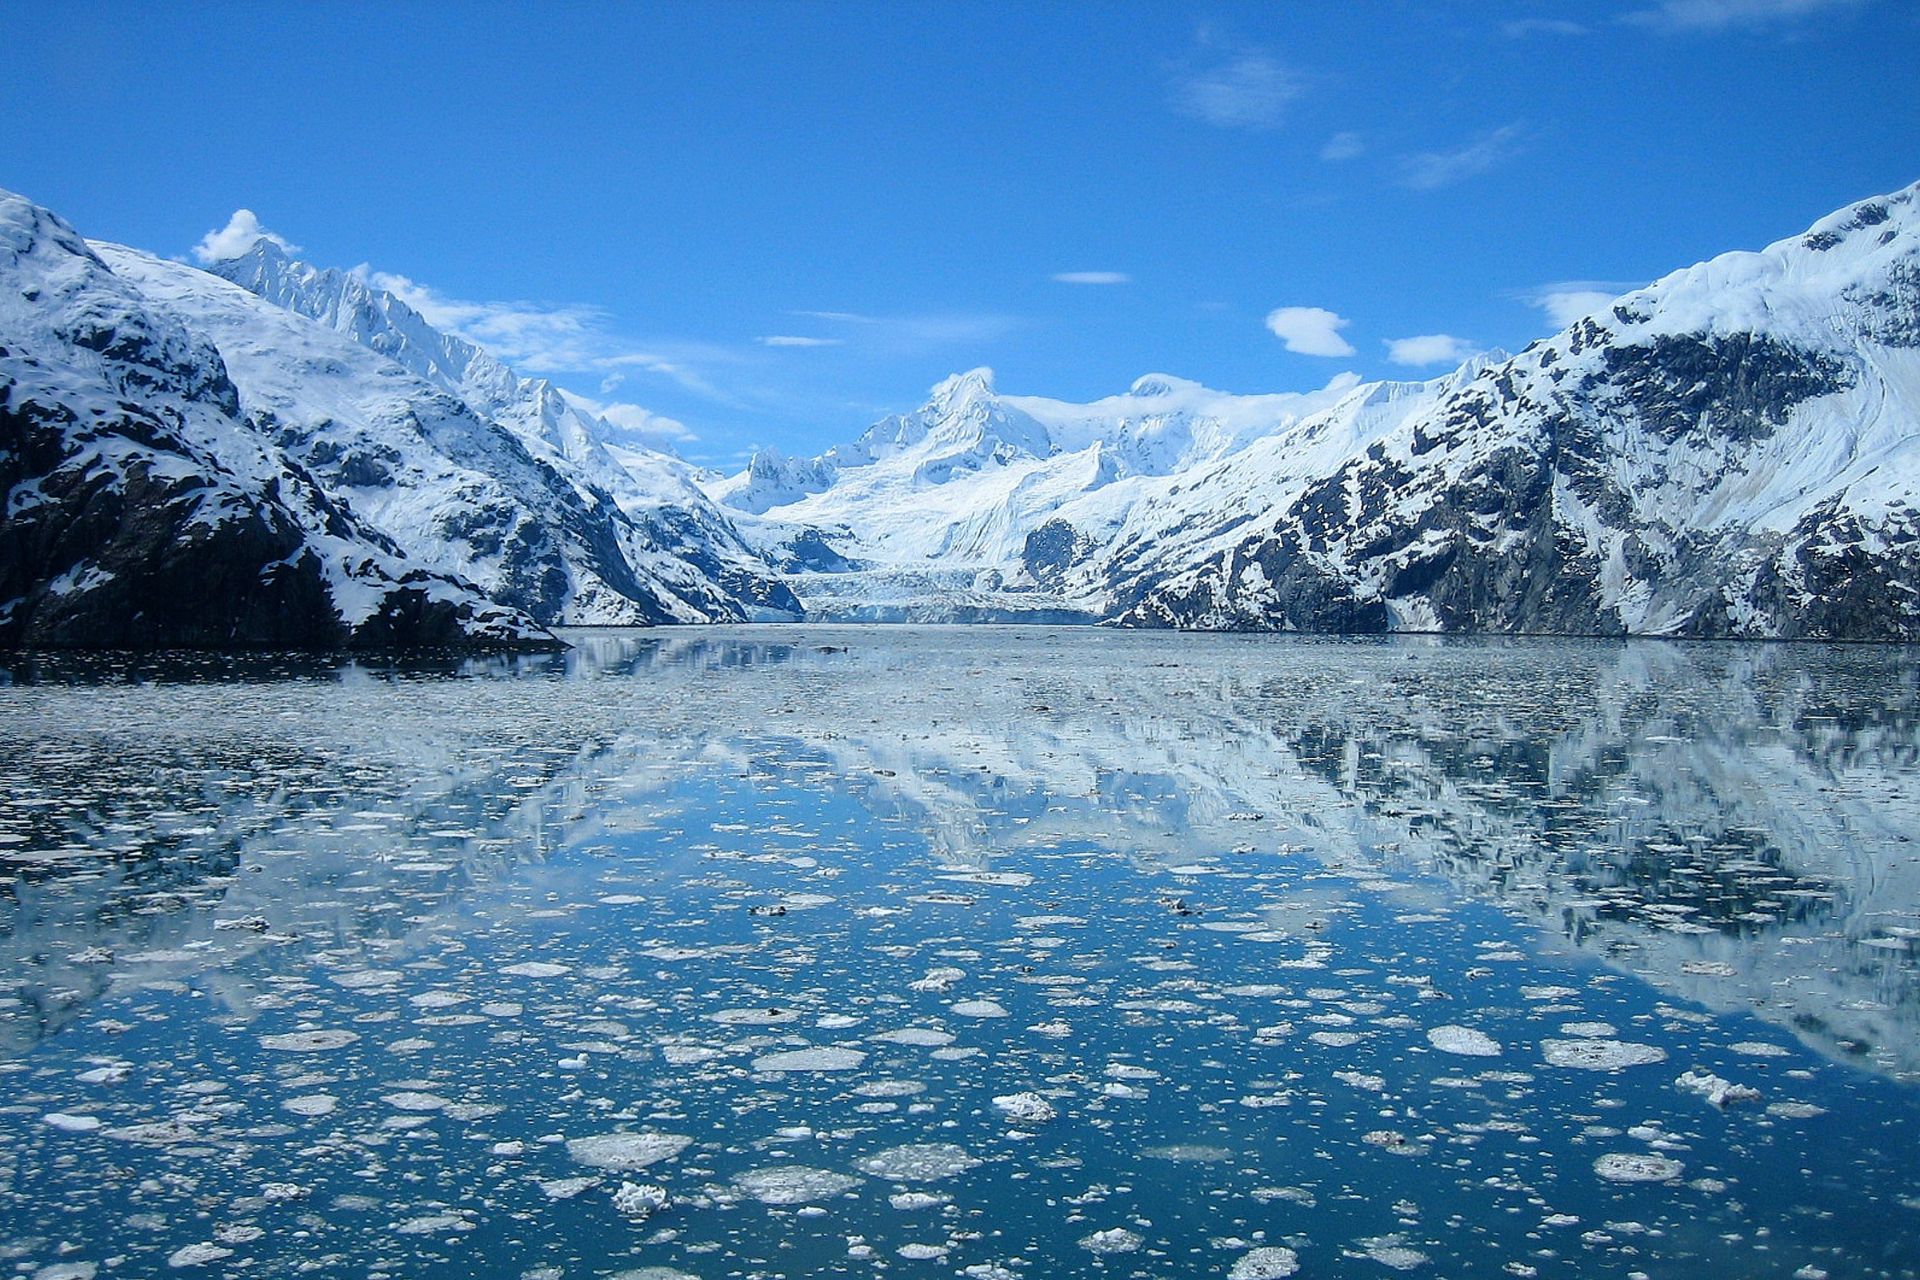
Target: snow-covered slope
(649, 544)
(143, 509)
(1733, 450)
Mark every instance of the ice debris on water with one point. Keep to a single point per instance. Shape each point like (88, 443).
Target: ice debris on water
(1269, 1262)
(830, 1059)
(626, 1150)
(309, 1041)
(1718, 1090)
(1600, 1055)
(1112, 1240)
(918, 1162)
(197, 1255)
(1025, 1107)
(794, 1184)
(1464, 1041)
(1637, 1167)
(639, 1200)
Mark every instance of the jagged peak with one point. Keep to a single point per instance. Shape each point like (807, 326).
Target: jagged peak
(961, 387)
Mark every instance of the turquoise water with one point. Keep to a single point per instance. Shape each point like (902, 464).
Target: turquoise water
(977, 952)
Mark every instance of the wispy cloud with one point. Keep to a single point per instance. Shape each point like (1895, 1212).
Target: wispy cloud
(1430, 349)
(1430, 170)
(1725, 15)
(1234, 86)
(1092, 277)
(240, 234)
(546, 338)
(1343, 146)
(1565, 301)
(795, 340)
(1524, 27)
(919, 333)
(1310, 331)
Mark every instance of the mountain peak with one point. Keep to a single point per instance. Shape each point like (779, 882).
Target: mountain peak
(962, 387)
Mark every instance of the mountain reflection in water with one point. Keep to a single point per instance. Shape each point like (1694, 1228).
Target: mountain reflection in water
(1732, 822)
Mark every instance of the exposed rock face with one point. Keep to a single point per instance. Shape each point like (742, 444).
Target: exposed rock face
(142, 511)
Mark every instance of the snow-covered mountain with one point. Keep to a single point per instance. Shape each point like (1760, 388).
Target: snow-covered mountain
(1731, 451)
(637, 541)
(144, 508)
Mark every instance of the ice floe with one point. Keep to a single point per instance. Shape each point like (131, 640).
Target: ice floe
(1464, 1041)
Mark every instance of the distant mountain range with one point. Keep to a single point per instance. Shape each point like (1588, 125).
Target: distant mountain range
(267, 453)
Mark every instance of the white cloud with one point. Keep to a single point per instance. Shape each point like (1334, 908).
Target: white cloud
(1723, 15)
(539, 337)
(1429, 349)
(243, 229)
(1092, 277)
(1568, 300)
(794, 340)
(1310, 331)
(1248, 89)
(1433, 169)
(647, 425)
(1343, 146)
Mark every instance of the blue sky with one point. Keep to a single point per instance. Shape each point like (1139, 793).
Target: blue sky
(772, 223)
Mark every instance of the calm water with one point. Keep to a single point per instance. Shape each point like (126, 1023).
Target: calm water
(985, 952)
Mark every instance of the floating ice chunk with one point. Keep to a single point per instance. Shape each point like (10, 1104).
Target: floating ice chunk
(923, 1252)
(309, 1041)
(1003, 879)
(921, 1037)
(940, 978)
(912, 1201)
(566, 1188)
(1112, 1240)
(438, 999)
(794, 1184)
(1718, 1090)
(639, 1200)
(980, 1009)
(68, 1271)
(360, 979)
(1795, 1110)
(918, 1162)
(1589, 1030)
(1025, 1107)
(829, 1059)
(112, 1073)
(626, 1150)
(537, 969)
(1464, 1041)
(1392, 1251)
(1759, 1049)
(409, 1100)
(1636, 1167)
(1336, 1039)
(283, 1192)
(197, 1255)
(311, 1104)
(1600, 1055)
(765, 1017)
(1271, 1262)
(70, 1124)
